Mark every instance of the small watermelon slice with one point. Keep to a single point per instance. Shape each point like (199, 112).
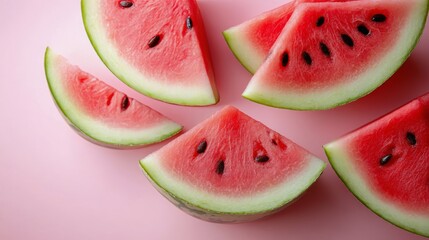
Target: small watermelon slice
(251, 40)
(231, 168)
(332, 53)
(385, 164)
(159, 47)
(99, 112)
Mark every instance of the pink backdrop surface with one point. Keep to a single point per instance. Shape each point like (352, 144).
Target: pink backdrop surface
(55, 185)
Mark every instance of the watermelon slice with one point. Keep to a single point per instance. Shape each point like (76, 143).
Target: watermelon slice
(251, 41)
(386, 165)
(159, 47)
(332, 53)
(231, 168)
(99, 112)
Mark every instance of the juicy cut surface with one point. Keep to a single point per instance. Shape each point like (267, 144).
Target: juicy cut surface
(233, 154)
(326, 46)
(103, 102)
(163, 44)
(393, 155)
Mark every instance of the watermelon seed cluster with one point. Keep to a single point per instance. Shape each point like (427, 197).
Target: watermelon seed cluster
(261, 156)
(411, 138)
(344, 37)
(220, 165)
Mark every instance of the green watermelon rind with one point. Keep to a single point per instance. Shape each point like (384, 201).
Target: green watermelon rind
(95, 131)
(177, 94)
(340, 162)
(211, 207)
(248, 58)
(244, 51)
(345, 93)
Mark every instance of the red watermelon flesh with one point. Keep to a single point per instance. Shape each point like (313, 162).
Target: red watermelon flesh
(99, 100)
(251, 41)
(408, 161)
(157, 47)
(101, 113)
(232, 168)
(357, 46)
(386, 165)
(240, 169)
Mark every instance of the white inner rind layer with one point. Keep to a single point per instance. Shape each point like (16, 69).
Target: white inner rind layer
(248, 53)
(177, 93)
(258, 202)
(243, 49)
(95, 129)
(343, 163)
(351, 87)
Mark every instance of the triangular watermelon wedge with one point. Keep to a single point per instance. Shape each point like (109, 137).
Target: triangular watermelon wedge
(330, 53)
(158, 47)
(231, 168)
(100, 113)
(251, 40)
(385, 164)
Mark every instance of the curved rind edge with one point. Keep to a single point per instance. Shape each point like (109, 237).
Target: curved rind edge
(206, 101)
(267, 97)
(229, 39)
(89, 137)
(219, 216)
(329, 151)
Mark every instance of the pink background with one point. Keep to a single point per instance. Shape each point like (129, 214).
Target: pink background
(55, 185)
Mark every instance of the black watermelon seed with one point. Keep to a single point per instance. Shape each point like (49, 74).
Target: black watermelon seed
(154, 41)
(189, 23)
(347, 40)
(273, 141)
(320, 21)
(220, 168)
(201, 148)
(285, 59)
(384, 160)
(411, 138)
(262, 159)
(363, 29)
(325, 50)
(307, 58)
(125, 103)
(378, 18)
(126, 4)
